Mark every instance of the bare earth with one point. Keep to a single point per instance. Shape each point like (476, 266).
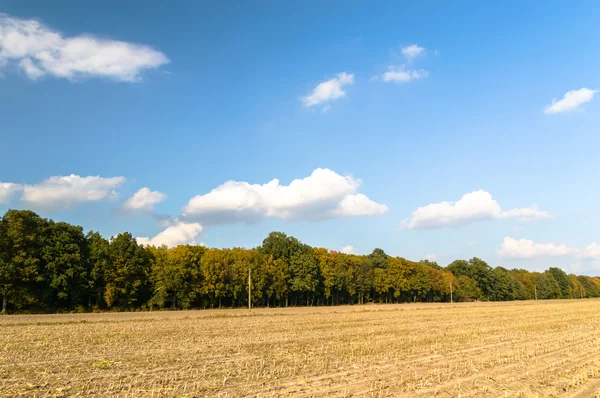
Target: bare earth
(522, 349)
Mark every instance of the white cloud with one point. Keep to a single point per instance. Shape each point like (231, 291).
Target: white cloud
(68, 191)
(348, 250)
(399, 75)
(526, 214)
(180, 233)
(571, 101)
(8, 190)
(323, 194)
(412, 51)
(527, 249)
(329, 90)
(592, 251)
(359, 205)
(39, 50)
(474, 206)
(144, 200)
(431, 257)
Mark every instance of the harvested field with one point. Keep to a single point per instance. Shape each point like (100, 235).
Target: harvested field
(517, 349)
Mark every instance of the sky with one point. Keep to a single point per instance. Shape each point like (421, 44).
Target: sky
(433, 130)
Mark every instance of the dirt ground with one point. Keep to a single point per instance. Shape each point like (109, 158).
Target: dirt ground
(520, 349)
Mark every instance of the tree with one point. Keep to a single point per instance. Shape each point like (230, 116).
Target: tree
(217, 269)
(467, 289)
(478, 271)
(176, 275)
(21, 238)
(65, 255)
(277, 273)
(126, 275)
(562, 280)
(304, 275)
(280, 246)
(48, 266)
(99, 260)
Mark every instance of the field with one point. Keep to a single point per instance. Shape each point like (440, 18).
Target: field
(520, 349)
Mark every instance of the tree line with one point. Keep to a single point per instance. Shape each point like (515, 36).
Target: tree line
(48, 266)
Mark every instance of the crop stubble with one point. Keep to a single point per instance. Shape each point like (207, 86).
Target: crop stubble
(518, 349)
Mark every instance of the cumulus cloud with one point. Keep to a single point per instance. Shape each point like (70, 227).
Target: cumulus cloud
(400, 73)
(359, 205)
(527, 249)
(329, 90)
(39, 51)
(8, 190)
(592, 251)
(397, 74)
(431, 257)
(180, 233)
(323, 194)
(570, 101)
(69, 191)
(525, 214)
(348, 250)
(412, 51)
(474, 206)
(144, 200)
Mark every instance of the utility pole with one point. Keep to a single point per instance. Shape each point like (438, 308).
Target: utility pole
(249, 288)
(535, 288)
(450, 292)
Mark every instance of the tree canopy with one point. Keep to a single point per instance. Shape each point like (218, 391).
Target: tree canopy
(48, 266)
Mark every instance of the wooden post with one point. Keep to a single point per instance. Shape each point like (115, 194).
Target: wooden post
(450, 292)
(249, 288)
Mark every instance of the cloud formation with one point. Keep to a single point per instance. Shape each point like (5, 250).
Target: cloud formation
(412, 51)
(324, 194)
(527, 249)
(397, 74)
(69, 191)
(144, 200)
(591, 251)
(180, 233)
(329, 90)
(400, 73)
(8, 190)
(38, 51)
(348, 250)
(474, 206)
(570, 101)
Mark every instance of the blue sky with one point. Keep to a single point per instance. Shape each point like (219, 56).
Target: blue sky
(110, 98)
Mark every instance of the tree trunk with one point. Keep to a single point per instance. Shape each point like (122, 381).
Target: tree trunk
(4, 304)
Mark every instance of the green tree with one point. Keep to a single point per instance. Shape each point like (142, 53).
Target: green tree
(65, 255)
(21, 261)
(280, 246)
(126, 275)
(99, 260)
(304, 275)
(467, 289)
(562, 280)
(478, 271)
(217, 268)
